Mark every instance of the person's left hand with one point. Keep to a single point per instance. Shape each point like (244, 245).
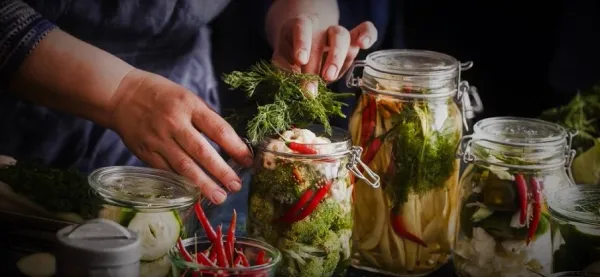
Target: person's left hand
(327, 50)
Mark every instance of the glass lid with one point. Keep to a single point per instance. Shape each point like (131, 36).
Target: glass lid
(520, 131)
(139, 187)
(580, 203)
(413, 62)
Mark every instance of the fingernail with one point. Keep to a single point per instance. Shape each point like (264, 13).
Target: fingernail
(302, 55)
(366, 41)
(311, 87)
(331, 72)
(235, 185)
(219, 196)
(248, 161)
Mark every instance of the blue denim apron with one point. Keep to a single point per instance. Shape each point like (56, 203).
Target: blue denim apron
(170, 38)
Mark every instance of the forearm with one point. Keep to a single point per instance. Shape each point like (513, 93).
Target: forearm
(57, 70)
(282, 10)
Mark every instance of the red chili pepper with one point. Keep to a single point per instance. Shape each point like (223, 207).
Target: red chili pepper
(522, 194)
(312, 205)
(238, 261)
(537, 208)
(220, 249)
(289, 215)
(210, 232)
(398, 225)
(243, 257)
(231, 237)
(203, 260)
(301, 148)
(186, 255)
(371, 150)
(297, 175)
(212, 255)
(368, 120)
(260, 257)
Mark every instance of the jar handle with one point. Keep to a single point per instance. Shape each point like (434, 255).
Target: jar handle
(351, 81)
(372, 178)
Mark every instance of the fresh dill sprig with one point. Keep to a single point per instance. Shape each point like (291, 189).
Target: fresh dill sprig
(279, 101)
(580, 114)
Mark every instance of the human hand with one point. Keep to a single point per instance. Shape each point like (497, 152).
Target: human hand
(303, 43)
(162, 122)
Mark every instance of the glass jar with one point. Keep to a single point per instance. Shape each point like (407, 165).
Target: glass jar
(575, 215)
(409, 125)
(513, 166)
(302, 203)
(154, 203)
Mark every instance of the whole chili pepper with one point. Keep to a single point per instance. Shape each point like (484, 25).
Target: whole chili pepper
(297, 175)
(289, 214)
(312, 205)
(186, 255)
(260, 257)
(231, 237)
(537, 208)
(212, 255)
(238, 261)
(220, 249)
(210, 232)
(371, 150)
(400, 229)
(522, 194)
(301, 148)
(368, 120)
(243, 257)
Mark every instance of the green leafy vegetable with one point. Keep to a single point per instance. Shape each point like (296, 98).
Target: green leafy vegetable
(424, 157)
(57, 190)
(281, 101)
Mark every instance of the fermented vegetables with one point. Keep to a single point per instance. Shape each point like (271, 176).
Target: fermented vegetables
(405, 226)
(515, 166)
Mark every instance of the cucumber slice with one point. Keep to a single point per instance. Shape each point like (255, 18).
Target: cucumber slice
(158, 268)
(158, 232)
(117, 214)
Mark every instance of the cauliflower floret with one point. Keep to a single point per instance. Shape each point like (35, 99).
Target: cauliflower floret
(483, 245)
(303, 135)
(338, 190)
(278, 146)
(287, 135)
(269, 161)
(513, 247)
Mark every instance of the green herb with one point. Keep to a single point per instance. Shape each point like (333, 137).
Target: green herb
(281, 101)
(581, 115)
(424, 158)
(57, 190)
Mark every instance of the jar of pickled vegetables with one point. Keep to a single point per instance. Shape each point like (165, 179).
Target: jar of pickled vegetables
(154, 203)
(575, 214)
(301, 199)
(409, 125)
(514, 165)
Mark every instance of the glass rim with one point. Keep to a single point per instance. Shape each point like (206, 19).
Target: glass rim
(479, 131)
(272, 252)
(344, 144)
(565, 201)
(97, 182)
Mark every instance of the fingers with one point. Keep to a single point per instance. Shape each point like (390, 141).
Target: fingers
(339, 42)
(184, 165)
(313, 65)
(202, 152)
(364, 35)
(219, 131)
(302, 32)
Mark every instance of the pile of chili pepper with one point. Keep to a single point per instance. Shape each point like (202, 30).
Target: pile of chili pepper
(534, 197)
(307, 203)
(221, 254)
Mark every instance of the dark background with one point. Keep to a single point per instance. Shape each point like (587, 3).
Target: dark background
(527, 56)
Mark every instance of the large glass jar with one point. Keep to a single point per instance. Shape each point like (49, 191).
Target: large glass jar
(154, 203)
(514, 165)
(409, 125)
(575, 215)
(301, 201)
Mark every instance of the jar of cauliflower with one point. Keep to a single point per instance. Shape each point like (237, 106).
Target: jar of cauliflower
(301, 199)
(409, 124)
(504, 227)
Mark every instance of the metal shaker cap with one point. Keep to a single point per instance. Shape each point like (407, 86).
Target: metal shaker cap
(98, 243)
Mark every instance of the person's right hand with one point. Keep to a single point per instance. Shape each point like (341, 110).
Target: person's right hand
(162, 123)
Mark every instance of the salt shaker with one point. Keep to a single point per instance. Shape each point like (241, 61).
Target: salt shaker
(97, 247)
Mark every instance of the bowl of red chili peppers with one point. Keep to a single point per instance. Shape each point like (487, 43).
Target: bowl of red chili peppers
(200, 257)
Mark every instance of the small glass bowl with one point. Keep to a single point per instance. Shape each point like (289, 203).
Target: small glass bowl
(251, 248)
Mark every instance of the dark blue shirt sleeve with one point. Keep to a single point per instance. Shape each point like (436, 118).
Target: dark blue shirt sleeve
(21, 29)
